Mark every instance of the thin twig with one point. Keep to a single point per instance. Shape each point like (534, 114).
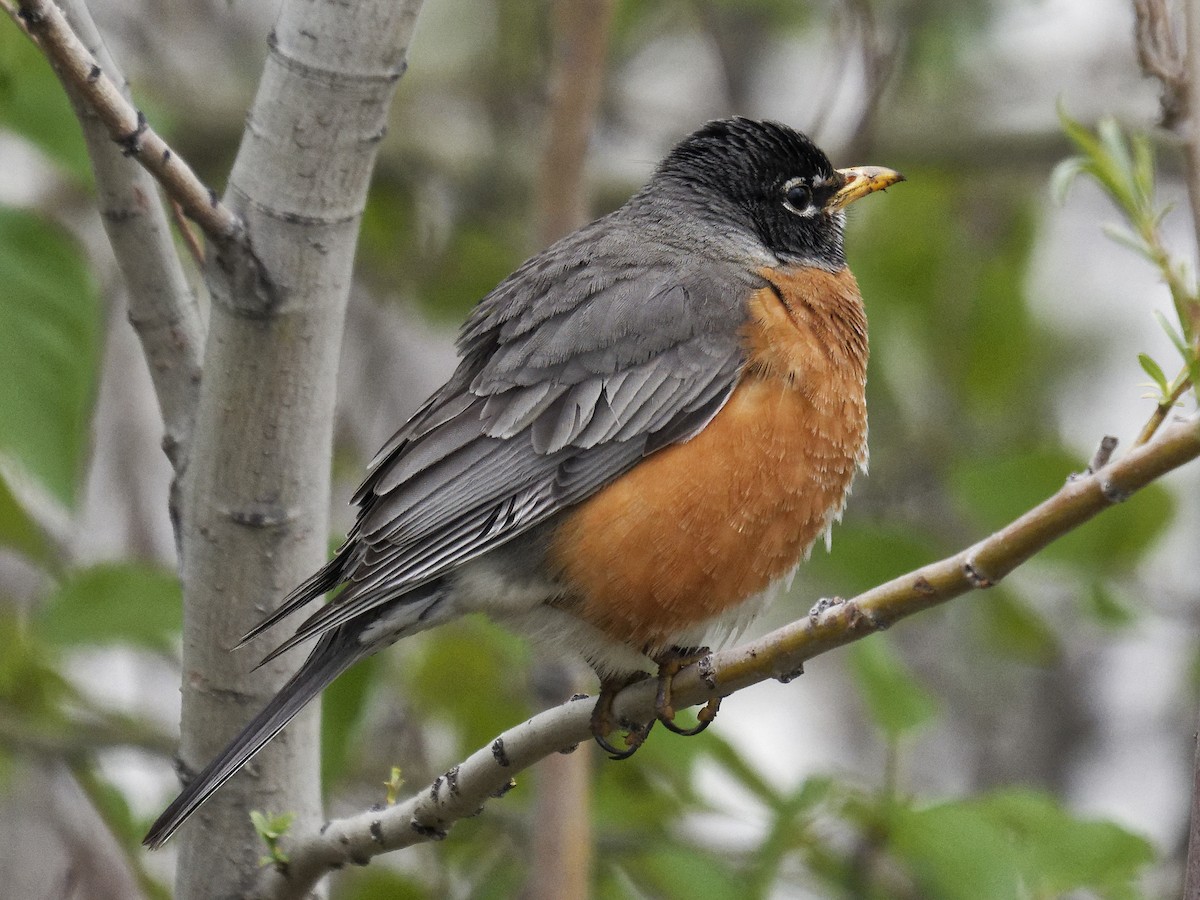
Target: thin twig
(12, 13)
(1103, 454)
(1159, 57)
(561, 838)
(489, 771)
(1164, 407)
(1191, 76)
(126, 125)
(83, 738)
(189, 236)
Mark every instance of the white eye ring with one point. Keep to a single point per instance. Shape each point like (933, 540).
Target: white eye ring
(797, 196)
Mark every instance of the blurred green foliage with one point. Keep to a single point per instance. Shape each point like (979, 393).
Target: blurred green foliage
(33, 105)
(49, 354)
(963, 380)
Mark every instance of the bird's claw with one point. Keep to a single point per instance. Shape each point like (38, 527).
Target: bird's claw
(669, 665)
(604, 720)
(634, 738)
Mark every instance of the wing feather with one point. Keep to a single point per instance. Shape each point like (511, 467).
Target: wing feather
(573, 370)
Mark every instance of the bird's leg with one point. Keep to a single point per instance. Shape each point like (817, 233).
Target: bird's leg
(671, 662)
(605, 722)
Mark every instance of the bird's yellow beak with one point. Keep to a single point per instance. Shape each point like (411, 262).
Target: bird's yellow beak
(860, 181)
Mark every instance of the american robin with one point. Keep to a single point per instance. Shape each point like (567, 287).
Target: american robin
(651, 423)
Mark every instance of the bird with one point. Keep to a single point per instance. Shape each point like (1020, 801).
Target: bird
(651, 423)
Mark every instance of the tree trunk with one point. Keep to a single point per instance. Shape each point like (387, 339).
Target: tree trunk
(256, 492)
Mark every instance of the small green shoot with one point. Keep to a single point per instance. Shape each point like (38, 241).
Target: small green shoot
(393, 785)
(1124, 168)
(271, 828)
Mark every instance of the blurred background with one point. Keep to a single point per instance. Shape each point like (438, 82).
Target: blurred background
(1033, 740)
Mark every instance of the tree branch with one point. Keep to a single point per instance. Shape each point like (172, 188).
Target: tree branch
(487, 773)
(1176, 65)
(581, 29)
(162, 307)
(561, 839)
(83, 74)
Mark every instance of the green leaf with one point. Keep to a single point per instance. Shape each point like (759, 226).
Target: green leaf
(29, 683)
(1127, 239)
(1143, 166)
(710, 877)
(1118, 156)
(1080, 135)
(895, 699)
(341, 706)
(1123, 168)
(1016, 628)
(1106, 608)
(1154, 370)
(1063, 176)
(956, 853)
(1173, 333)
(49, 353)
(1064, 853)
(1015, 844)
(33, 104)
(271, 827)
(19, 532)
(114, 603)
(474, 650)
(736, 766)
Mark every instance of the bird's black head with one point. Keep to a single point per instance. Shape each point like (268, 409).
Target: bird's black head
(770, 181)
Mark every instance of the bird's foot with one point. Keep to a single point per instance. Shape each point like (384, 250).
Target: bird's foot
(605, 721)
(670, 663)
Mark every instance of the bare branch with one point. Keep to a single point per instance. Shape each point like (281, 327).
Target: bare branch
(195, 250)
(1159, 56)
(561, 839)
(581, 46)
(162, 307)
(83, 74)
(487, 773)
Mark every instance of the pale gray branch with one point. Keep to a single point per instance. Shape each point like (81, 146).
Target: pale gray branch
(162, 306)
(126, 125)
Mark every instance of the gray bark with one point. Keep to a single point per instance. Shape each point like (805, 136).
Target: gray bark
(257, 487)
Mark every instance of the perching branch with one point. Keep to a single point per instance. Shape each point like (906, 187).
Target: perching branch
(465, 789)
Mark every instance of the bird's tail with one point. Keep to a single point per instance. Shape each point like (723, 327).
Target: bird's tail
(333, 654)
(336, 650)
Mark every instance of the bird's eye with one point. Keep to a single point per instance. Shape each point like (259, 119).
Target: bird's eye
(797, 195)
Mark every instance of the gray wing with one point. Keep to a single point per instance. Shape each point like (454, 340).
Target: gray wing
(574, 369)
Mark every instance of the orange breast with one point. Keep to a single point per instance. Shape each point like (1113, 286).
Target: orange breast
(700, 527)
